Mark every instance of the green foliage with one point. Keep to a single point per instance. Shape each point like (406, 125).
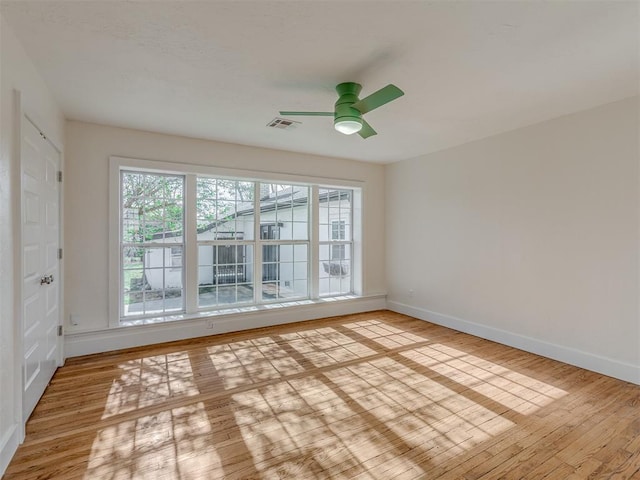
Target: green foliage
(153, 204)
(219, 200)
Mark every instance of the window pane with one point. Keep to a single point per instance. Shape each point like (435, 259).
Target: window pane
(245, 293)
(152, 210)
(132, 257)
(284, 271)
(338, 252)
(284, 212)
(208, 296)
(324, 252)
(152, 206)
(300, 271)
(225, 274)
(131, 226)
(175, 261)
(172, 278)
(226, 189)
(300, 252)
(335, 211)
(134, 280)
(205, 254)
(286, 230)
(224, 209)
(324, 231)
(335, 269)
(173, 300)
(173, 221)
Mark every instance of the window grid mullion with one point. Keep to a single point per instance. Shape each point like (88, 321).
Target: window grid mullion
(190, 249)
(284, 242)
(314, 247)
(350, 241)
(226, 242)
(335, 242)
(257, 249)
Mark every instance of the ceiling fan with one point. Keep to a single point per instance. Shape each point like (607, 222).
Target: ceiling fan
(348, 110)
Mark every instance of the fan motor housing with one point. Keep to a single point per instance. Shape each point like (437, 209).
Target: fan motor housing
(348, 95)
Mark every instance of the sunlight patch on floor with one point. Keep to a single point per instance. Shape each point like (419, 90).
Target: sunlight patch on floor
(418, 410)
(516, 391)
(149, 381)
(369, 414)
(386, 335)
(170, 444)
(306, 418)
(251, 361)
(363, 399)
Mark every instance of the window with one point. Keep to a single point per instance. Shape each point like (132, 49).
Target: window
(176, 257)
(225, 219)
(151, 245)
(338, 252)
(338, 232)
(335, 207)
(195, 241)
(284, 235)
(338, 229)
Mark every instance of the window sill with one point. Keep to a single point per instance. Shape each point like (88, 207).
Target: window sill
(229, 312)
(184, 327)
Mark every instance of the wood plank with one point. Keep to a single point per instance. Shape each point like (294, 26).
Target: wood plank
(373, 395)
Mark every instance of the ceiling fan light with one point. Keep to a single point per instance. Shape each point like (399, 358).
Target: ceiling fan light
(348, 127)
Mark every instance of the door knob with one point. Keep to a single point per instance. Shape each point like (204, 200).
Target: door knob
(46, 280)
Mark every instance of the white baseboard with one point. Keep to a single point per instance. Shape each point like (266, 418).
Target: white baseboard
(8, 446)
(84, 343)
(607, 366)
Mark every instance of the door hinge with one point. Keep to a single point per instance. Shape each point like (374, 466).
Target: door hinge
(59, 330)
(59, 254)
(59, 175)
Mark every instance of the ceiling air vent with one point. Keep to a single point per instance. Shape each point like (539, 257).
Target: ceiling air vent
(283, 123)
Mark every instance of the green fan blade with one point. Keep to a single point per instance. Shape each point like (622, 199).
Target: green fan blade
(309, 114)
(377, 99)
(366, 131)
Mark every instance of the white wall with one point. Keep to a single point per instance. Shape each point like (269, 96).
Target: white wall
(88, 147)
(17, 72)
(529, 238)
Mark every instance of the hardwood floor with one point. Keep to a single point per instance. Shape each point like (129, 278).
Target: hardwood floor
(368, 396)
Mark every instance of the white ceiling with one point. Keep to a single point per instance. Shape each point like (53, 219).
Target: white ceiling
(221, 70)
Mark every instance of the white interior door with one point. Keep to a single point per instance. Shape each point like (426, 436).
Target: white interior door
(40, 163)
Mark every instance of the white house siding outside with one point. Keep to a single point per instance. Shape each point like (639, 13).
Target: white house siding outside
(285, 266)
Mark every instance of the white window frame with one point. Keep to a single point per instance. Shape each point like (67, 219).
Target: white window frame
(192, 295)
(190, 261)
(148, 244)
(258, 291)
(346, 244)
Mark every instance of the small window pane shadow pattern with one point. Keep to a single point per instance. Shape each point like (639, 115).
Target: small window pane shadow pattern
(377, 395)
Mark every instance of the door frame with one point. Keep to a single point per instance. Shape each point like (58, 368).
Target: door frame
(29, 114)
